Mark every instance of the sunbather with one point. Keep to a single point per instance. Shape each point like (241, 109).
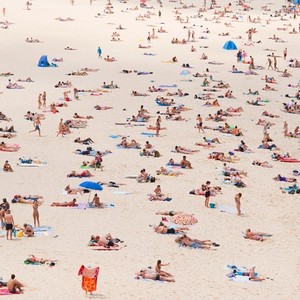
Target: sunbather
(163, 229)
(65, 204)
(195, 243)
(256, 236)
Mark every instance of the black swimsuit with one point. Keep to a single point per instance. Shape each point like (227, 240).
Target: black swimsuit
(171, 231)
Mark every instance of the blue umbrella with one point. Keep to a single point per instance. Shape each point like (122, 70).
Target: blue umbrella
(91, 185)
(185, 72)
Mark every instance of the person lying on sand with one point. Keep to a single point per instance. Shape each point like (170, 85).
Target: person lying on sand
(227, 171)
(76, 116)
(163, 229)
(184, 150)
(264, 164)
(86, 141)
(69, 48)
(153, 276)
(7, 147)
(73, 191)
(265, 113)
(14, 85)
(85, 173)
(164, 171)
(256, 236)
(32, 259)
(195, 243)
(28, 79)
(285, 179)
(98, 107)
(65, 204)
(106, 241)
(27, 199)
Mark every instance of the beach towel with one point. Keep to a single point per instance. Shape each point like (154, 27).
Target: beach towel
(168, 86)
(122, 192)
(6, 292)
(149, 134)
(89, 278)
(102, 248)
(228, 209)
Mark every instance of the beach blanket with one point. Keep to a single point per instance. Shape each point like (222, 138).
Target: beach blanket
(89, 205)
(6, 292)
(123, 192)
(149, 134)
(102, 248)
(168, 86)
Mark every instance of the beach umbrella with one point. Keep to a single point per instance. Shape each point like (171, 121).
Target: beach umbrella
(91, 185)
(185, 72)
(230, 45)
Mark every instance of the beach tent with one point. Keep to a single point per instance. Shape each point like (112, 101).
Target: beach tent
(43, 62)
(230, 45)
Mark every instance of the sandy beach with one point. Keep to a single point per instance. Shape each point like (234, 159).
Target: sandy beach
(144, 58)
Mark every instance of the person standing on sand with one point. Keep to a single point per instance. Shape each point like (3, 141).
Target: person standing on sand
(200, 123)
(36, 215)
(40, 101)
(251, 66)
(9, 224)
(284, 53)
(99, 51)
(238, 203)
(275, 63)
(158, 121)
(37, 125)
(44, 98)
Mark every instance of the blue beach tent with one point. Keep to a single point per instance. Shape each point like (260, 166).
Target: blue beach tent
(43, 62)
(230, 45)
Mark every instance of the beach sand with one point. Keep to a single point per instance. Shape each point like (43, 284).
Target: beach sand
(198, 273)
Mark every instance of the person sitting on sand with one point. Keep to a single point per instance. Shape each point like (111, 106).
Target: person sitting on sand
(96, 201)
(158, 195)
(14, 286)
(143, 176)
(256, 236)
(163, 229)
(65, 204)
(154, 276)
(185, 164)
(28, 230)
(159, 271)
(7, 167)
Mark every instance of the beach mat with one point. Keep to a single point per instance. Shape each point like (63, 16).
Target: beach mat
(102, 248)
(5, 292)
